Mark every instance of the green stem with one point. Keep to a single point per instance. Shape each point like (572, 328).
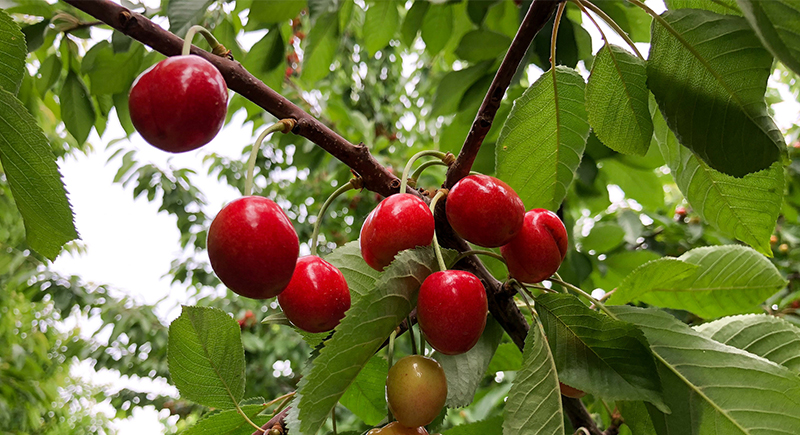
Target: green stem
(556, 24)
(421, 342)
(492, 254)
(411, 333)
(284, 125)
(611, 23)
(436, 248)
(342, 189)
(333, 419)
(187, 42)
(521, 290)
(247, 419)
(390, 357)
(584, 294)
(407, 169)
(425, 166)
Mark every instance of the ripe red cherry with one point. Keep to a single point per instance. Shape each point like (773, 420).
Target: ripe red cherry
(395, 428)
(416, 389)
(179, 104)
(451, 310)
(484, 210)
(253, 247)
(317, 295)
(399, 222)
(538, 250)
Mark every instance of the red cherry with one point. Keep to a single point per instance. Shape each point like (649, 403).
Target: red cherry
(253, 247)
(179, 104)
(484, 210)
(451, 310)
(317, 295)
(538, 250)
(399, 222)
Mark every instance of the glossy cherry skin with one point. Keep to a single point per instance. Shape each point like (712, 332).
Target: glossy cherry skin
(416, 389)
(399, 222)
(484, 210)
(253, 247)
(395, 428)
(317, 295)
(568, 391)
(179, 104)
(537, 251)
(451, 310)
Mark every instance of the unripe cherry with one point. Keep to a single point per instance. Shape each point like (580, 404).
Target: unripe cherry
(401, 221)
(317, 296)
(179, 104)
(451, 310)
(484, 210)
(416, 389)
(253, 247)
(537, 251)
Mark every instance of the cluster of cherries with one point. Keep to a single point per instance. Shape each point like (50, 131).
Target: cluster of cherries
(180, 104)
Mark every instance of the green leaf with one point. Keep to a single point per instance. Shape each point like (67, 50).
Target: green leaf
(598, 354)
(729, 279)
(453, 87)
(506, 358)
(229, 422)
(490, 426)
(725, 202)
(767, 336)
(206, 357)
(123, 112)
(380, 25)
(617, 101)
(437, 27)
(542, 141)
(276, 11)
(110, 72)
(725, 7)
(709, 74)
(619, 265)
(604, 237)
(365, 327)
(712, 388)
(77, 110)
(30, 167)
(631, 18)
(479, 45)
(643, 185)
(534, 401)
(777, 24)
(183, 14)
(636, 417)
(665, 272)
(12, 54)
(465, 372)
(413, 22)
(360, 277)
(34, 35)
(266, 54)
(120, 42)
(366, 396)
(323, 41)
(48, 74)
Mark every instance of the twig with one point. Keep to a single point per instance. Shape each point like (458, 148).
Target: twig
(137, 26)
(278, 418)
(537, 16)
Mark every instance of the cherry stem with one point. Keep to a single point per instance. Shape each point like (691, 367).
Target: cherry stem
(333, 419)
(407, 169)
(425, 166)
(436, 248)
(411, 333)
(581, 292)
(553, 38)
(466, 254)
(284, 125)
(611, 23)
(390, 357)
(522, 293)
(421, 341)
(212, 41)
(315, 234)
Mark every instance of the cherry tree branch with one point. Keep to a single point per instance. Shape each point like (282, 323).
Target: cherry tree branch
(538, 15)
(376, 177)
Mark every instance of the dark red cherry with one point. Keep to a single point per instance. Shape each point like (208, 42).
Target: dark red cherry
(451, 310)
(317, 295)
(399, 222)
(484, 210)
(536, 253)
(253, 247)
(179, 104)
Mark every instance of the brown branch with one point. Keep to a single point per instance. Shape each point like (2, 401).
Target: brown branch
(537, 16)
(376, 177)
(277, 419)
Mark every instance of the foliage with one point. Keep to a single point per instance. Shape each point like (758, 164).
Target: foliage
(686, 202)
